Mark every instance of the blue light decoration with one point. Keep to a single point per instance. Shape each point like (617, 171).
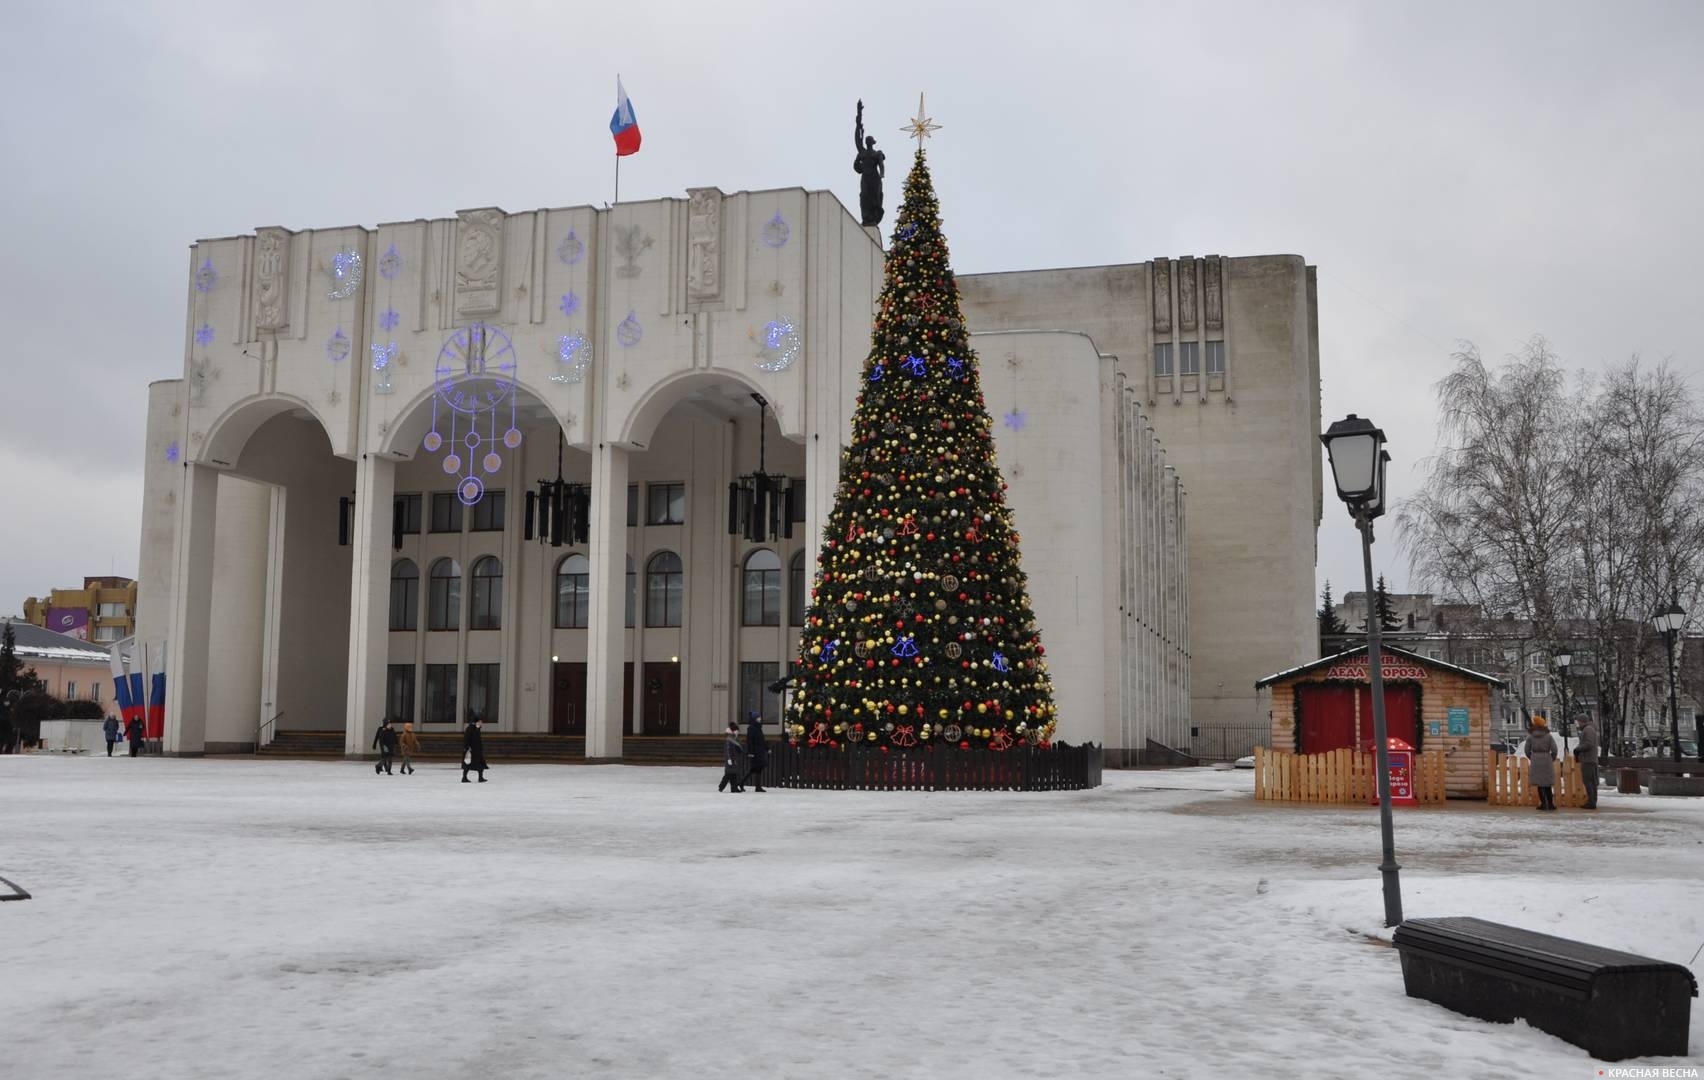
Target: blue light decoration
(828, 650)
(570, 303)
(390, 263)
(916, 365)
(173, 452)
(389, 319)
(571, 249)
(474, 379)
(907, 646)
(206, 277)
(781, 345)
(776, 232)
(628, 331)
(1016, 419)
(204, 335)
(1000, 663)
(345, 274)
(337, 346)
(877, 372)
(573, 357)
(956, 370)
(906, 231)
(382, 357)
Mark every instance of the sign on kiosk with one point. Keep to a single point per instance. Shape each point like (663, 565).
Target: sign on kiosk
(1401, 758)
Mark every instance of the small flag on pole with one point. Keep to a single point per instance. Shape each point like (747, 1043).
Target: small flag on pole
(624, 125)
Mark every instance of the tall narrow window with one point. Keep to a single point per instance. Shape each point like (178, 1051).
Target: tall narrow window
(632, 592)
(572, 592)
(488, 513)
(1189, 358)
(443, 604)
(399, 692)
(632, 508)
(487, 606)
(1215, 358)
(798, 485)
(755, 695)
(666, 504)
(761, 594)
(405, 595)
(1162, 359)
(440, 694)
(663, 589)
(446, 512)
(482, 692)
(411, 507)
(796, 595)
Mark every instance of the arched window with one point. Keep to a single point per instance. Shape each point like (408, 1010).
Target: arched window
(405, 595)
(760, 603)
(443, 600)
(572, 594)
(796, 592)
(632, 584)
(487, 606)
(663, 588)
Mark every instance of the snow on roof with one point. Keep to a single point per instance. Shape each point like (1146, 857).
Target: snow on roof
(39, 643)
(1361, 649)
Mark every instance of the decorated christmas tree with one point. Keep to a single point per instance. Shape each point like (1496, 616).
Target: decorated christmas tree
(920, 629)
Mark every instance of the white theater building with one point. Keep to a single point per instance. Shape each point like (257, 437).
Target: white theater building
(336, 488)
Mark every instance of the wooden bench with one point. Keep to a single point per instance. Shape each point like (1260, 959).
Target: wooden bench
(1613, 1004)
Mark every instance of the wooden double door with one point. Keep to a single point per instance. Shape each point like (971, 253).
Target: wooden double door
(1329, 712)
(661, 698)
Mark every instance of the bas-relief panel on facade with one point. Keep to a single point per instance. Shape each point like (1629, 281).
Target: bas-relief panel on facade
(271, 279)
(1186, 294)
(479, 263)
(1212, 294)
(704, 244)
(1162, 296)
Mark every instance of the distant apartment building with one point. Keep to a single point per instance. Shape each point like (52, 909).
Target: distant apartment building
(102, 611)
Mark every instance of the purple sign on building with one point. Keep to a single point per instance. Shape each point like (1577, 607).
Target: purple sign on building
(69, 620)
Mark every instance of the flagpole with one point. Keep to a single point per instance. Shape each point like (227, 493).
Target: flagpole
(617, 177)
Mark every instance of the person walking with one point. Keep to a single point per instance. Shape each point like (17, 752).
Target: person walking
(384, 740)
(410, 747)
(1541, 755)
(111, 727)
(1586, 750)
(473, 749)
(733, 760)
(133, 735)
(757, 752)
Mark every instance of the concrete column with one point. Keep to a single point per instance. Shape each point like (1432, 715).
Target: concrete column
(369, 602)
(188, 633)
(606, 633)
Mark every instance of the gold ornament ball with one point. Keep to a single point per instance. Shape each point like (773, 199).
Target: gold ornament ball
(981, 707)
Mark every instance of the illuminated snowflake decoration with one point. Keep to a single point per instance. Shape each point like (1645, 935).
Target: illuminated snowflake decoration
(1016, 419)
(907, 646)
(204, 335)
(1000, 663)
(916, 365)
(570, 303)
(389, 319)
(206, 277)
(390, 263)
(337, 346)
(776, 232)
(628, 331)
(173, 452)
(781, 345)
(345, 274)
(573, 357)
(571, 250)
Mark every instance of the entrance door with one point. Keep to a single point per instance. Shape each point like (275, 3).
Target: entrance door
(1328, 716)
(627, 697)
(662, 698)
(568, 700)
(1402, 714)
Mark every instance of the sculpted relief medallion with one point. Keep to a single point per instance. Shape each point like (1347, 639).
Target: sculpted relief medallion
(479, 263)
(271, 279)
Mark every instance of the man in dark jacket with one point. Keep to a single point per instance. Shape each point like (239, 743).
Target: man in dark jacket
(733, 760)
(111, 728)
(756, 752)
(473, 749)
(384, 740)
(133, 733)
(1586, 751)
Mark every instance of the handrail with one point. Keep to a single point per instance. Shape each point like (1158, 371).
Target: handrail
(264, 724)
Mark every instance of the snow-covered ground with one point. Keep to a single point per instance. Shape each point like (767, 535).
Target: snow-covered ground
(239, 919)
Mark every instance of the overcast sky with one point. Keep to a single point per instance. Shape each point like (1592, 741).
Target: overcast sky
(1478, 171)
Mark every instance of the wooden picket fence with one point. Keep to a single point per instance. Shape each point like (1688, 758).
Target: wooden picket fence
(1508, 784)
(935, 768)
(1337, 776)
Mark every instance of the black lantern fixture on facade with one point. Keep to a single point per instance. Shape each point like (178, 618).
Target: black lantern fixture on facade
(760, 506)
(563, 511)
(1669, 622)
(1358, 459)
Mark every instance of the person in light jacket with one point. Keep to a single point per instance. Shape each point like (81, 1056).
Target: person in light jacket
(1586, 750)
(410, 747)
(111, 728)
(473, 749)
(733, 761)
(1541, 754)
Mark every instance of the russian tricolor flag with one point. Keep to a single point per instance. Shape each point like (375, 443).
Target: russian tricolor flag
(624, 125)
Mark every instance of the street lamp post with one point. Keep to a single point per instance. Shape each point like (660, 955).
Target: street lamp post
(1358, 459)
(1562, 660)
(1668, 623)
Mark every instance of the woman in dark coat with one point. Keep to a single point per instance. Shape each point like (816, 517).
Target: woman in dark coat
(473, 750)
(133, 732)
(733, 761)
(1542, 753)
(111, 728)
(756, 752)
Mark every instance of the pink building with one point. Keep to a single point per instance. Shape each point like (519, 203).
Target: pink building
(72, 669)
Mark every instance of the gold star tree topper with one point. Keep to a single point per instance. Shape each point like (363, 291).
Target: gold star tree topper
(921, 126)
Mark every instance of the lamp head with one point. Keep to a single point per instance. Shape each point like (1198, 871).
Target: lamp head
(1355, 447)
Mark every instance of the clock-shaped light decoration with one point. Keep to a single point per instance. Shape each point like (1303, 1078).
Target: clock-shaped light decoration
(473, 381)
